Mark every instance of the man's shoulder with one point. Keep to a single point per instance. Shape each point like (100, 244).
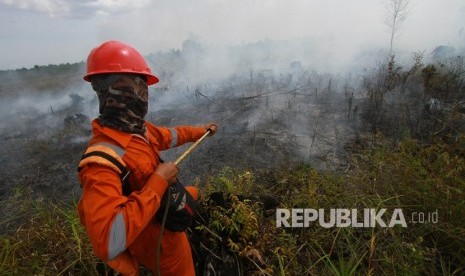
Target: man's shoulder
(104, 134)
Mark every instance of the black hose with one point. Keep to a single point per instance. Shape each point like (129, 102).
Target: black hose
(160, 234)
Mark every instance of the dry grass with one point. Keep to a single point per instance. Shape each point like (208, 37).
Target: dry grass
(42, 238)
(39, 237)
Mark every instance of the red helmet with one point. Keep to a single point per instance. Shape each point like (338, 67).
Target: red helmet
(117, 57)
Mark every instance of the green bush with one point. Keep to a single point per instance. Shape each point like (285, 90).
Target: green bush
(413, 177)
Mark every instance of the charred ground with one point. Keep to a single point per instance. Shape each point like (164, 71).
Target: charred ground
(267, 119)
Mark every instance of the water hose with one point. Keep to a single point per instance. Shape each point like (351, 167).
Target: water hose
(192, 148)
(165, 213)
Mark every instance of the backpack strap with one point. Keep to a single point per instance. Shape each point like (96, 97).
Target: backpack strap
(109, 155)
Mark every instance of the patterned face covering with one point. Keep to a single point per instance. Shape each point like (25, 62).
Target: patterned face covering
(123, 101)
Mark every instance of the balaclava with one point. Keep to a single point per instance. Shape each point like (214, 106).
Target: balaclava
(123, 101)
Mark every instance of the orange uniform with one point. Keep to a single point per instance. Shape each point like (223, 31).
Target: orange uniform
(121, 228)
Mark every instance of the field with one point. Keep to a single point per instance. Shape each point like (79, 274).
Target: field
(390, 137)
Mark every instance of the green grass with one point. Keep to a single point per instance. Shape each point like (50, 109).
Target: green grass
(410, 176)
(39, 237)
(43, 238)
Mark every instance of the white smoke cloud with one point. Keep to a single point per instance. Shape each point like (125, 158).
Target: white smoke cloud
(342, 28)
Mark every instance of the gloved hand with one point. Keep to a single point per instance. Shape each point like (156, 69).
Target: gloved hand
(212, 126)
(168, 171)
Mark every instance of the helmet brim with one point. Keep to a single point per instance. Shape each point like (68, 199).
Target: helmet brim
(151, 79)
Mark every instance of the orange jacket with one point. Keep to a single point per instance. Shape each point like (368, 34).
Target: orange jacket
(121, 228)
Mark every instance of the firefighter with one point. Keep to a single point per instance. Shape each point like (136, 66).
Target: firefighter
(122, 177)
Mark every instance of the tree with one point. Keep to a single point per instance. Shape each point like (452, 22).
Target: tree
(396, 14)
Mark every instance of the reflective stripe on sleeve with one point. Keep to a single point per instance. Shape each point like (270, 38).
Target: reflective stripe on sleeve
(104, 154)
(117, 239)
(174, 137)
(120, 151)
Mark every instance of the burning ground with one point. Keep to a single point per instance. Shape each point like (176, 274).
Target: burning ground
(266, 120)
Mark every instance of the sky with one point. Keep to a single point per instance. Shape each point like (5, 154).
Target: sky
(42, 32)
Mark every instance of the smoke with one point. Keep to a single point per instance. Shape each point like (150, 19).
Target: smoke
(65, 31)
(278, 102)
(43, 114)
(273, 104)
